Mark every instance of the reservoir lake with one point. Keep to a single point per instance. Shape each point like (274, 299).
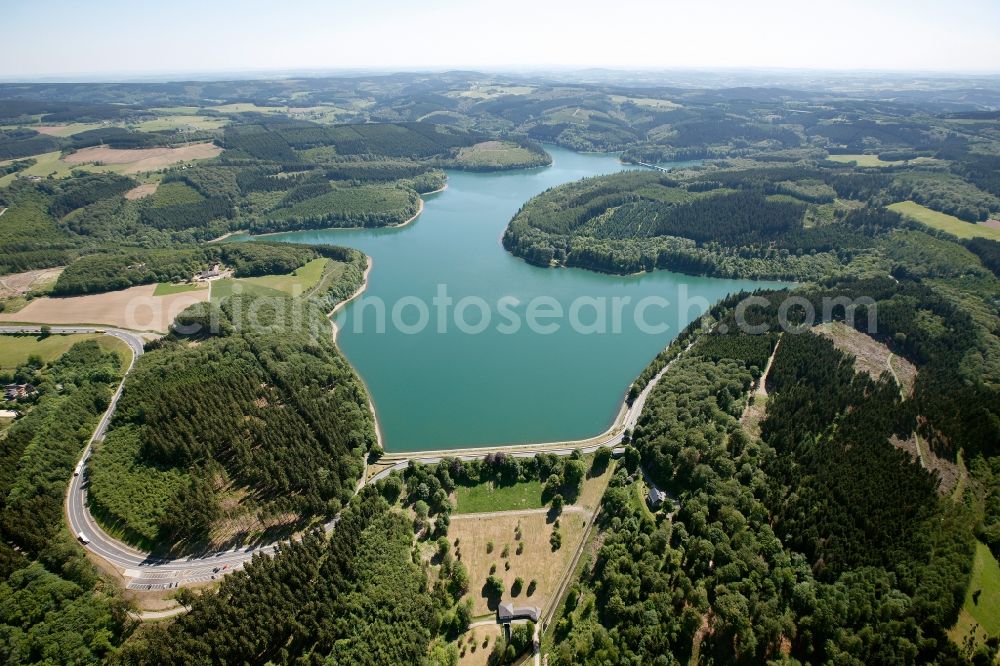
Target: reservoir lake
(464, 384)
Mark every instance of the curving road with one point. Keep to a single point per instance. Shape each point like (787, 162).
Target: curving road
(144, 571)
(626, 421)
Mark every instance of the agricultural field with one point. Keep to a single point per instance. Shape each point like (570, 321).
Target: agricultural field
(68, 129)
(647, 102)
(136, 160)
(135, 308)
(864, 161)
(490, 91)
(945, 222)
(181, 122)
(226, 287)
(247, 107)
(46, 164)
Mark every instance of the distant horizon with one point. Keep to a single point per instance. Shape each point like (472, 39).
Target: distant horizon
(246, 74)
(116, 39)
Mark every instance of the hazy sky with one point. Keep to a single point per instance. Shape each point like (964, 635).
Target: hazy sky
(108, 37)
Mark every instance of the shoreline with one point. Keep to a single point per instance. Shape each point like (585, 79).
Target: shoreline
(420, 209)
(334, 330)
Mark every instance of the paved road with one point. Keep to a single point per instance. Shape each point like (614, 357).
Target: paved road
(612, 438)
(142, 570)
(145, 571)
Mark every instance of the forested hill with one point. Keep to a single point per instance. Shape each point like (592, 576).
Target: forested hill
(356, 598)
(766, 222)
(244, 424)
(818, 542)
(54, 604)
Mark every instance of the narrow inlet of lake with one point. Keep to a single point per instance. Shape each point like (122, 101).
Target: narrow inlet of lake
(448, 371)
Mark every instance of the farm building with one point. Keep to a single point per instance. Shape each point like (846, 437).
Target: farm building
(508, 611)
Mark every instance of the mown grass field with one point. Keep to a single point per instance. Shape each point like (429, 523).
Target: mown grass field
(301, 280)
(475, 647)
(166, 288)
(537, 560)
(298, 282)
(15, 349)
(51, 164)
(487, 497)
(944, 222)
(45, 164)
(226, 287)
(981, 615)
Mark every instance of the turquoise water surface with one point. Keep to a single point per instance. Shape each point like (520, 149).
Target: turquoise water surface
(451, 386)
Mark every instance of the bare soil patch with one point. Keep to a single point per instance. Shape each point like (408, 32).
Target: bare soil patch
(140, 191)
(135, 308)
(870, 355)
(992, 224)
(143, 159)
(948, 472)
(18, 284)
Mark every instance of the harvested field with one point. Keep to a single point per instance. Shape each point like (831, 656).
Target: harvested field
(870, 355)
(18, 284)
(135, 308)
(537, 560)
(68, 129)
(143, 159)
(140, 191)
